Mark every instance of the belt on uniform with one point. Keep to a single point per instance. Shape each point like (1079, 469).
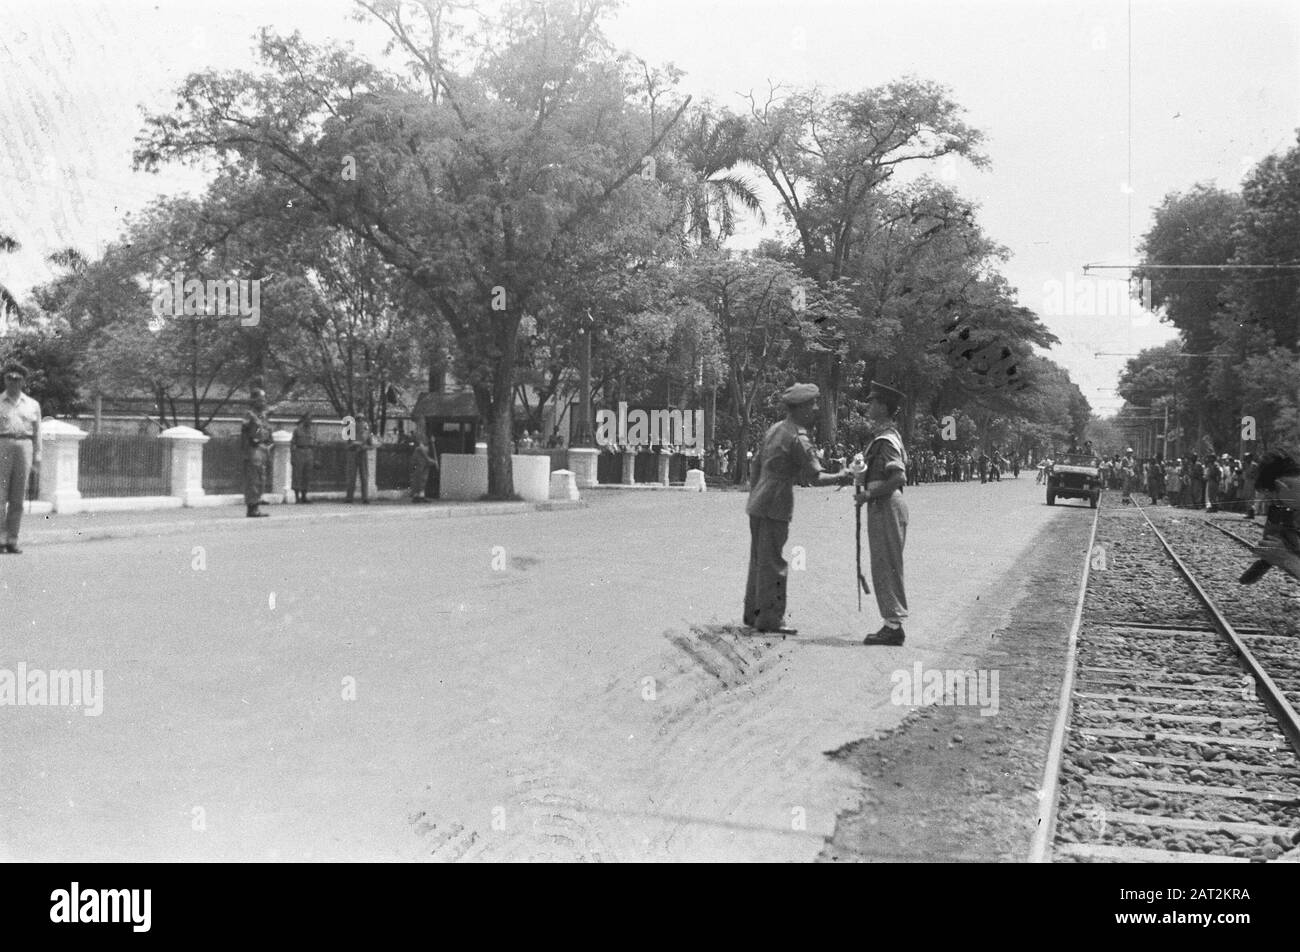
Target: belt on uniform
(11, 436)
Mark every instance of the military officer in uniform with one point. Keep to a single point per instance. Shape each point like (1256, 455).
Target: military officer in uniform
(255, 436)
(302, 457)
(786, 455)
(885, 476)
(358, 462)
(20, 451)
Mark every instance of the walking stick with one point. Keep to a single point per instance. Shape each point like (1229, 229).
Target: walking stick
(858, 467)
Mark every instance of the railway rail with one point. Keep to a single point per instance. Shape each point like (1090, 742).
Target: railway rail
(1177, 735)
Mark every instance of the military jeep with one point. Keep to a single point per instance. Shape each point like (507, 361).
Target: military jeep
(1075, 476)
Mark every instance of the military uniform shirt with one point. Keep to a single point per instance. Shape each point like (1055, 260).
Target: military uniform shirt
(19, 417)
(786, 456)
(883, 457)
(256, 430)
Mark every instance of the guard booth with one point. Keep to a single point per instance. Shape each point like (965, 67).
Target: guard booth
(452, 421)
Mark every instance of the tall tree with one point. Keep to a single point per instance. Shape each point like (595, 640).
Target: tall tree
(1192, 228)
(478, 173)
(829, 157)
(712, 146)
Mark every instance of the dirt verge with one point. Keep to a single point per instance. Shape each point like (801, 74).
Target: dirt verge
(952, 785)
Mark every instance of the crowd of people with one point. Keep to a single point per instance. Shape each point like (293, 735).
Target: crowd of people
(928, 466)
(1215, 484)
(931, 467)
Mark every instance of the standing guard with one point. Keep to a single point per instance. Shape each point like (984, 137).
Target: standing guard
(358, 462)
(302, 457)
(885, 477)
(255, 439)
(422, 461)
(785, 456)
(20, 451)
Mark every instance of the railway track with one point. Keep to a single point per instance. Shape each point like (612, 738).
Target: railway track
(1177, 736)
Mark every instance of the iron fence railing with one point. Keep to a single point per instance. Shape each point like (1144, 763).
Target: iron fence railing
(331, 466)
(609, 467)
(393, 466)
(223, 466)
(119, 464)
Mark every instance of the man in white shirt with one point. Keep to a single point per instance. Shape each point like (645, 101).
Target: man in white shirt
(20, 451)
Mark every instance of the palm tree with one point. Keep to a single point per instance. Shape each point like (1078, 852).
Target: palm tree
(69, 258)
(7, 301)
(713, 147)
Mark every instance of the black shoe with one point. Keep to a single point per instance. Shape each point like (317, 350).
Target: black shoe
(10, 548)
(885, 636)
(254, 514)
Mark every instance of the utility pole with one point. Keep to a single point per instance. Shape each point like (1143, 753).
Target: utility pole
(1166, 453)
(583, 435)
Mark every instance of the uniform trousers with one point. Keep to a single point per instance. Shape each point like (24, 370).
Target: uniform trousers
(419, 476)
(15, 469)
(254, 475)
(887, 534)
(302, 461)
(766, 588)
(358, 464)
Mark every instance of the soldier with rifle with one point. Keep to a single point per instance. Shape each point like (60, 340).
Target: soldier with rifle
(885, 476)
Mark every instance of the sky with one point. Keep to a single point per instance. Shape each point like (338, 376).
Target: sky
(1206, 87)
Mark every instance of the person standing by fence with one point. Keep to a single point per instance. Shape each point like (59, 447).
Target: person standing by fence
(421, 462)
(358, 463)
(302, 457)
(20, 451)
(255, 439)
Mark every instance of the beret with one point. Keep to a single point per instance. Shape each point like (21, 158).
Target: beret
(800, 393)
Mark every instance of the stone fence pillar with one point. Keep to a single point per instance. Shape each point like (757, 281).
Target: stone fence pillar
(184, 463)
(664, 458)
(372, 478)
(61, 465)
(582, 463)
(629, 467)
(281, 470)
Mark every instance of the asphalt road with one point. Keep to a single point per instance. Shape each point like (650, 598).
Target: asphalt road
(548, 685)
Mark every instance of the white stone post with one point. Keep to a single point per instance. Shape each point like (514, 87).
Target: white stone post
(61, 465)
(629, 467)
(664, 459)
(184, 463)
(372, 480)
(281, 468)
(563, 486)
(582, 463)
